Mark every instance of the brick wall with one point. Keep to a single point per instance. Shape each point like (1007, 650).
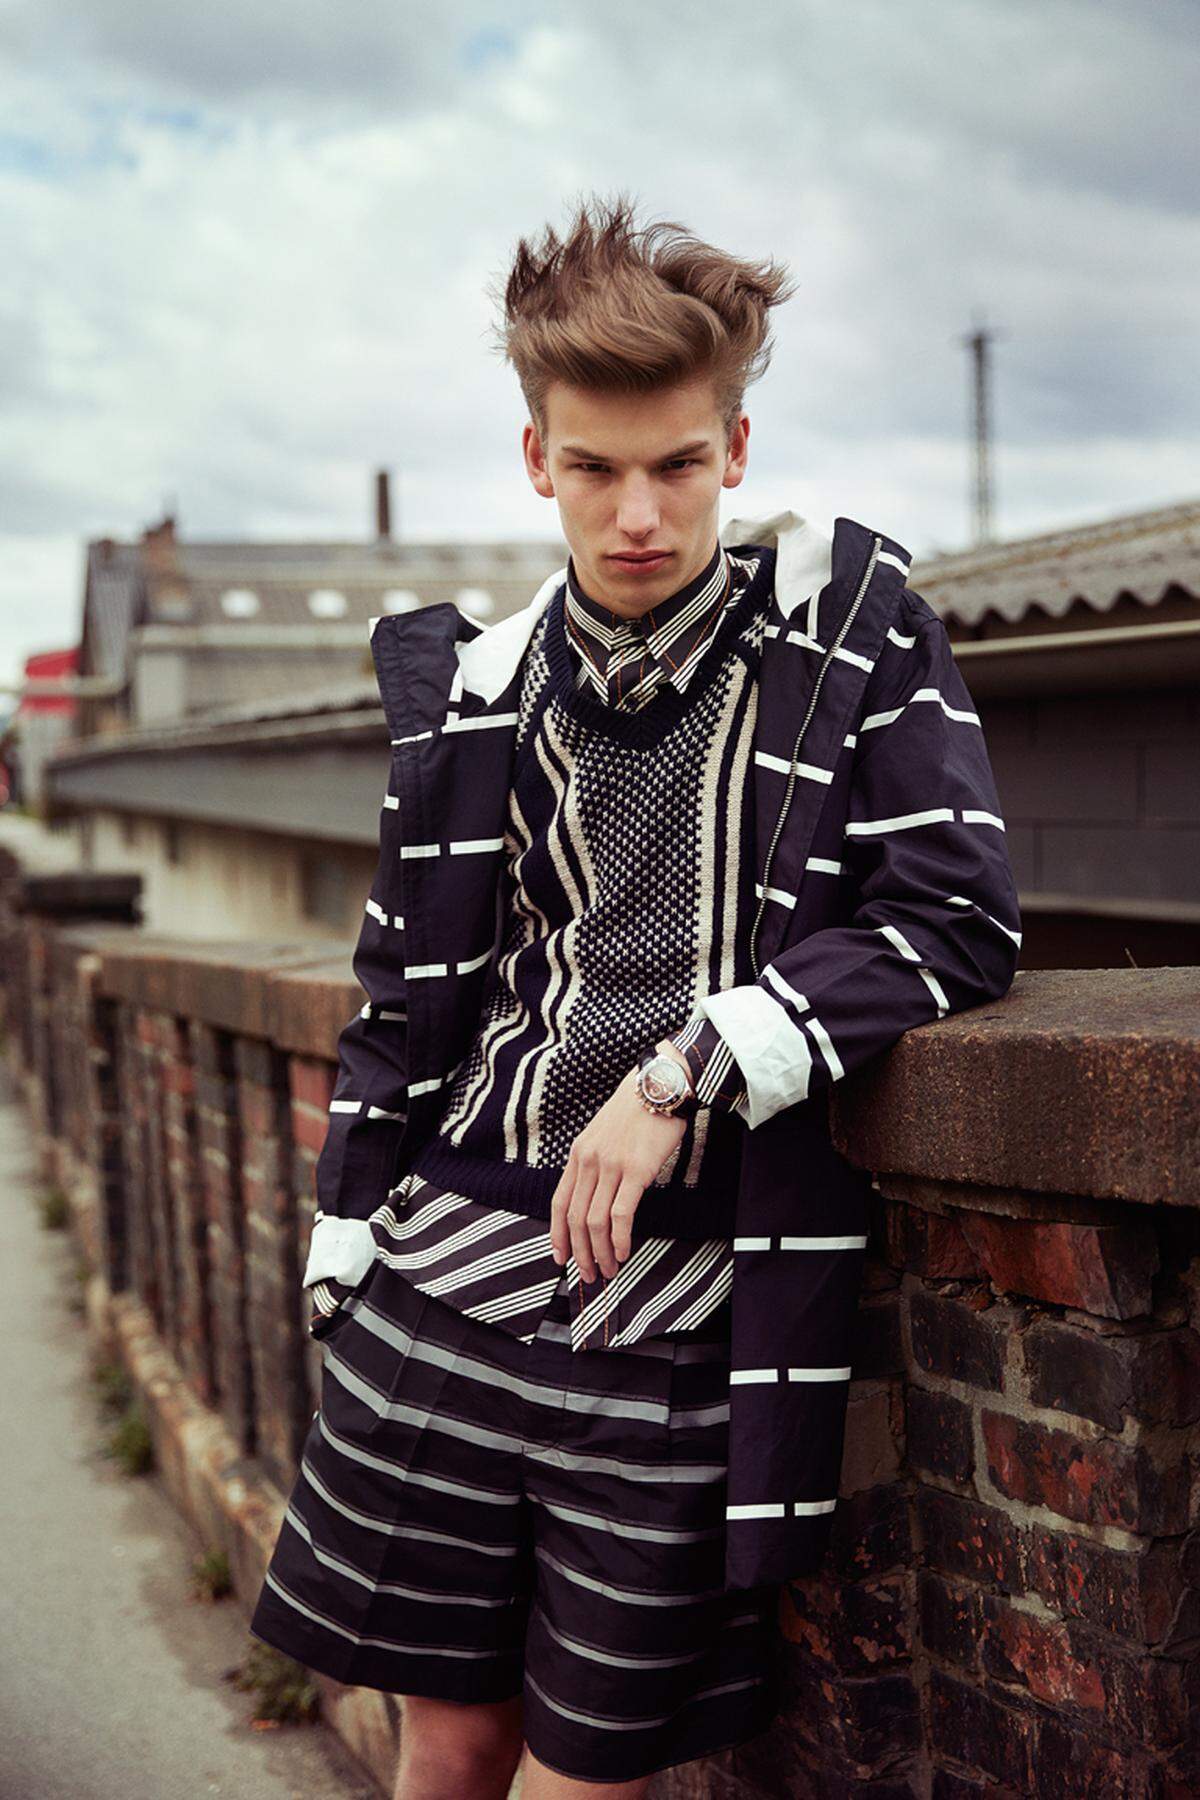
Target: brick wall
(1011, 1604)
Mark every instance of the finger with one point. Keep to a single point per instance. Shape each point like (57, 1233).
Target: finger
(577, 1212)
(598, 1222)
(560, 1238)
(624, 1207)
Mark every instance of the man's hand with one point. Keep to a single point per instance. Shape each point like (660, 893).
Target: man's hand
(612, 1161)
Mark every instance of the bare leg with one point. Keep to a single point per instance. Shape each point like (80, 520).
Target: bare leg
(454, 1751)
(540, 1783)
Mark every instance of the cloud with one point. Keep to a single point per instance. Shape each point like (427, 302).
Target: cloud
(251, 253)
(226, 53)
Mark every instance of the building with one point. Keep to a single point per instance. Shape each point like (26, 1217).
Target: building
(178, 630)
(230, 746)
(45, 718)
(1082, 649)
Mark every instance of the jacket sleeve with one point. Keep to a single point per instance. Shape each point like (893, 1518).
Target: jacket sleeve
(370, 1096)
(936, 923)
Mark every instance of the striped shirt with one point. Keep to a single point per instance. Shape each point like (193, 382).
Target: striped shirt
(626, 661)
(455, 1240)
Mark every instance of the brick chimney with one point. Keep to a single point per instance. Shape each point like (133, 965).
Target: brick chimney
(383, 506)
(158, 545)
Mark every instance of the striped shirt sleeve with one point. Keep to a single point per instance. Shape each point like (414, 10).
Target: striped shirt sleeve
(326, 1298)
(716, 1078)
(936, 924)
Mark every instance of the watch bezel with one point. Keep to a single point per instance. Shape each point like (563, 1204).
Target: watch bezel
(674, 1104)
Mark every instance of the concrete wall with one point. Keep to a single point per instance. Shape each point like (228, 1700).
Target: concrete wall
(1101, 793)
(212, 881)
(169, 685)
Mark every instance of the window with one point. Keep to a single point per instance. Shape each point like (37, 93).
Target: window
(327, 603)
(239, 603)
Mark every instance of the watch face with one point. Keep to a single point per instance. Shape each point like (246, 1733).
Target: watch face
(663, 1079)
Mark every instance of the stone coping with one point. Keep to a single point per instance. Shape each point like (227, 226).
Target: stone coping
(297, 995)
(1077, 1081)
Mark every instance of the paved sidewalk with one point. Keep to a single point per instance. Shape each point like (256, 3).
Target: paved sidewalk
(110, 1674)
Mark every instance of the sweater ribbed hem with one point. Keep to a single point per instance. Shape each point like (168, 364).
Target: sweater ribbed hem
(672, 1210)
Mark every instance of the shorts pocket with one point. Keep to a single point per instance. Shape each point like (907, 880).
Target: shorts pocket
(322, 1325)
(699, 1416)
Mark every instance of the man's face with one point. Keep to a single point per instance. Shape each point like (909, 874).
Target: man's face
(635, 474)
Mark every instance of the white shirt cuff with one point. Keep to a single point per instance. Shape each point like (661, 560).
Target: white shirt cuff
(771, 1051)
(339, 1249)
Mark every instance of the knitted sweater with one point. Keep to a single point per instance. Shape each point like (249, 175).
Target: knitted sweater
(617, 926)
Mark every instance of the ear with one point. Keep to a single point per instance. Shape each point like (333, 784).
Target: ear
(535, 462)
(737, 454)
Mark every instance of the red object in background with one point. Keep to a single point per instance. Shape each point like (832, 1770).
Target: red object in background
(50, 665)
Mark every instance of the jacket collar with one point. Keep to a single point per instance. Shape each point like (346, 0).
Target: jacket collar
(489, 659)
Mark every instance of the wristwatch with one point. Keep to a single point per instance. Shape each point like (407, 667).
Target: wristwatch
(663, 1085)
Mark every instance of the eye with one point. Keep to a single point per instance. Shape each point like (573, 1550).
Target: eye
(681, 462)
(589, 467)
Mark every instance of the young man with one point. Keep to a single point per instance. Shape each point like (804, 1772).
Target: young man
(700, 830)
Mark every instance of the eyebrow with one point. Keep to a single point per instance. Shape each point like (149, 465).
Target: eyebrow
(595, 456)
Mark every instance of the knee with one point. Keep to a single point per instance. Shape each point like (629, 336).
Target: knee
(455, 1749)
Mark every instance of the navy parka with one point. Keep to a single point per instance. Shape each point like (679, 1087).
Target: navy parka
(886, 899)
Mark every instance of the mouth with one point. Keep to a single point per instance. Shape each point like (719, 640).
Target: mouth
(641, 561)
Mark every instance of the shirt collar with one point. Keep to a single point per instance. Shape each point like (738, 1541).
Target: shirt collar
(671, 631)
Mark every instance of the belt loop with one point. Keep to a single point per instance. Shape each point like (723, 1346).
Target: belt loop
(580, 1275)
(587, 1334)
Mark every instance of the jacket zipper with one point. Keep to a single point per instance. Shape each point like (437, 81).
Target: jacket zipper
(876, 546)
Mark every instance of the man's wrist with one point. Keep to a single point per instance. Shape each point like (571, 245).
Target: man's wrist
(668, 1095)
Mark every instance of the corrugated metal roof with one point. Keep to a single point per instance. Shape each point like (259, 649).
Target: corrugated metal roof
(1143, 555)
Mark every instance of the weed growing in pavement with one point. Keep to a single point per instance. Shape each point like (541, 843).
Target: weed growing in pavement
(286, 1690)
(211, 1575)
(55, 1209)
(77, 1298)
(114, 1389)
(130, 1444)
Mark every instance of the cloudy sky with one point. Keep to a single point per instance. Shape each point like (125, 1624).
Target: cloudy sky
(246, 252)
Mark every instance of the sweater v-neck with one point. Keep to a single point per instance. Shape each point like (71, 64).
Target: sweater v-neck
(650, 723)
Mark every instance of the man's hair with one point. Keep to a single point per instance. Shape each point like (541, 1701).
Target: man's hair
(625, 309)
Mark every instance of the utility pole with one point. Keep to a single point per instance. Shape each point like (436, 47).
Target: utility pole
(979, 342)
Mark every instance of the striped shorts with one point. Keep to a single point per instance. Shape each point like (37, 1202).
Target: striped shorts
(476, 1518)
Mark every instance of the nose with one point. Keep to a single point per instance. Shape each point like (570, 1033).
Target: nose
(637, 509)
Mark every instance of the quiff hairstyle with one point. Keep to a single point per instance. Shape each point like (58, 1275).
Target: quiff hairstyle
(625, 309)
